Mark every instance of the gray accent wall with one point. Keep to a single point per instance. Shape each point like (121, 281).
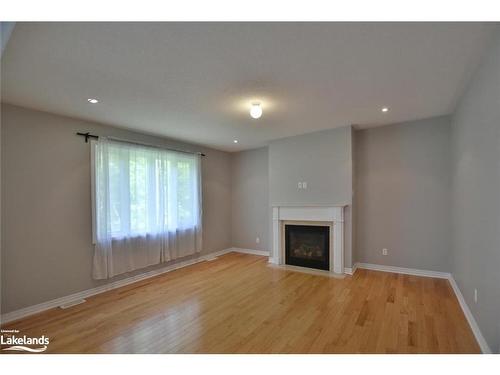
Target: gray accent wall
(476, 195)
(403, 194)
(322, 159)
(249, 199)
(46, 207)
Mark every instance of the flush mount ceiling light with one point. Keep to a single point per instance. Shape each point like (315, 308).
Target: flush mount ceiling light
(255, 110)
(93, 100)
(385, 109)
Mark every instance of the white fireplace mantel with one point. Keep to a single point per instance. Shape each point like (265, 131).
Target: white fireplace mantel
(333, 215)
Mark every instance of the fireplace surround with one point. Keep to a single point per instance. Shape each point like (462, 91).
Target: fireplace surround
(331, 216)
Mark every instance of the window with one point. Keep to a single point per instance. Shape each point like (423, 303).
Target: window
(143, 190)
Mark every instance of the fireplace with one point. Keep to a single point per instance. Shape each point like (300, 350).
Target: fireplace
(307, 246)
(323, 216)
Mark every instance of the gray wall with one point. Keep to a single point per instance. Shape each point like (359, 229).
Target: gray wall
(402, 194)
(1, 208)
(323, 160)
(476, 195)
(249, 200)
(46, 211)
(6, 29)
(354, 205)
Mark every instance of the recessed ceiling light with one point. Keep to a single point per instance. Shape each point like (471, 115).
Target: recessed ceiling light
(385, 109)
(255, 110)
(235, 141)
(93, 100)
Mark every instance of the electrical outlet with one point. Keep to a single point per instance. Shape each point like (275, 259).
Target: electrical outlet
(257, 240)
(384, 251)
(475, 295)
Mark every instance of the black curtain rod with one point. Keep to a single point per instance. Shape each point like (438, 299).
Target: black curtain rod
(93, 136)
(87, 136)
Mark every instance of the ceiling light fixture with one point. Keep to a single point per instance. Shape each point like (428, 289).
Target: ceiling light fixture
(385, 109)
(235, 141)
(255, 110)
(93, 100)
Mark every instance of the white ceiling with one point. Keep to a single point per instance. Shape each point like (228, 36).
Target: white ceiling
(195, 81)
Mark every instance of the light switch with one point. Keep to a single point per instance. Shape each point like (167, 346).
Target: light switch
(300, 185)
(304, 185)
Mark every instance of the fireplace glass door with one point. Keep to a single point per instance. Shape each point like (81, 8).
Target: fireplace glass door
(307, 246)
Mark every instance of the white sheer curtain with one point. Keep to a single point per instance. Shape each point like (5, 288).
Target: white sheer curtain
(147, 206)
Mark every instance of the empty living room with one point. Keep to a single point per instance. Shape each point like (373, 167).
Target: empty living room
(248, 186)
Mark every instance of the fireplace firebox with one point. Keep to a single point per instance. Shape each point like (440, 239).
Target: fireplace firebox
(307, 246)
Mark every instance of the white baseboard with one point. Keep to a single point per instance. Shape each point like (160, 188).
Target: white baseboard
(35, 309)
(405, 271)
(250, 251)
(351, 271)
(470, 318)
(273, 260)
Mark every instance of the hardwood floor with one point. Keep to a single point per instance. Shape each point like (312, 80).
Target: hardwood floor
(239, 304)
